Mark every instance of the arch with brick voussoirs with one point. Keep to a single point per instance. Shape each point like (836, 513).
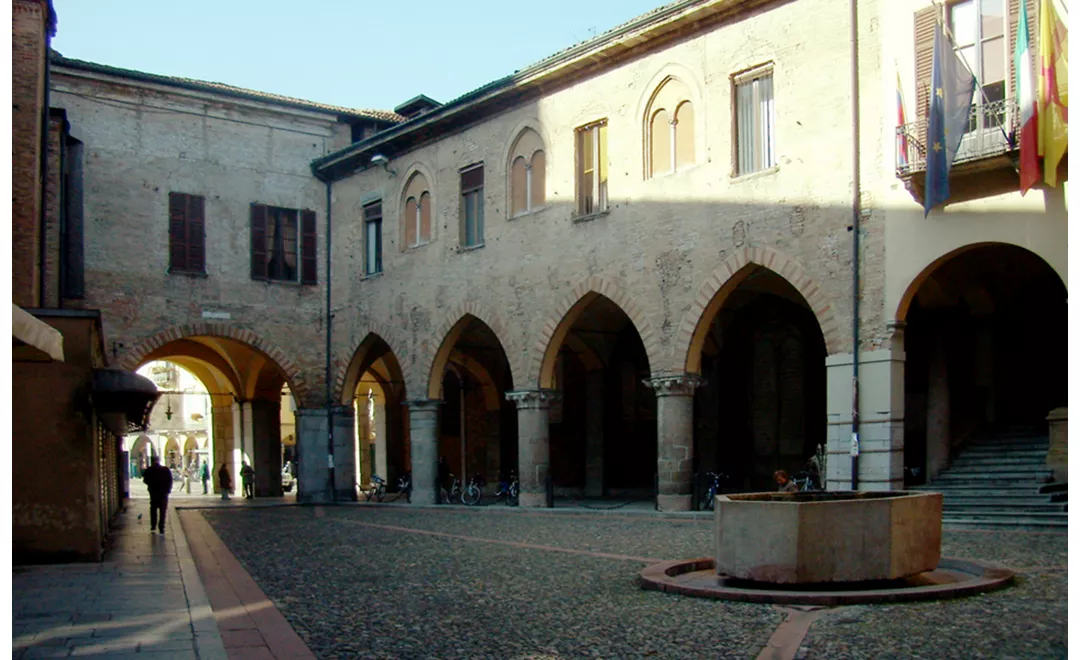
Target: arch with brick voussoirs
(715, 290)
(183, 337)
(374, 347)
(554, 332)
(450, 332)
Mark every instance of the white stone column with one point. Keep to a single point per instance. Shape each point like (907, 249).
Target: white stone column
(675, 439)
(312, 449)
(424, 448)
(534, 447)
(594, 433)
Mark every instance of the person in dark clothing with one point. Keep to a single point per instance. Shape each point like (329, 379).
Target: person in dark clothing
(204, 476)
(158, 480)
(247, 478)
(443, 476)
(224, 481)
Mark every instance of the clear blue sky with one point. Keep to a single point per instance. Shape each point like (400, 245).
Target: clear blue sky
(354, 53)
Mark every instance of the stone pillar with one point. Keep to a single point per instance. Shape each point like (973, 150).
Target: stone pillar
(222, 420)
(424, 448)
(379, 442)
(594, 433)
(534, 448)
(344, 454)
(1057, 458)
(266, 439)
(675, 439)
(312, 451)
(881, 417)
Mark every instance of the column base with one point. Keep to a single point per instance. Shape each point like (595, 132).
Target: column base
(422, 496)
(534, 500)
(674, 502)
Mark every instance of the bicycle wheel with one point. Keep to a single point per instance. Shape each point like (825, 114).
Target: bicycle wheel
(512, 495)
(444, 497)
(708, 501)
(471, 495)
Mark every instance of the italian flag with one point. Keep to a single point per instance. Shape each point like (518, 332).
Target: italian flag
(1029, 111)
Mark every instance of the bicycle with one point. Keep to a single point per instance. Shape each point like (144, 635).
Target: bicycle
(377, 490)
(454, 493)
(404, 485)
(508, 490)
(708, 499)
(474, 491)
(806, 482)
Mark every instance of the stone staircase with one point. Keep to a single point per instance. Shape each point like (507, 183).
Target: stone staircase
(999, 482)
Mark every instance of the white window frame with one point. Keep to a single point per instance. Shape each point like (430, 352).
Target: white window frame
(763, 123)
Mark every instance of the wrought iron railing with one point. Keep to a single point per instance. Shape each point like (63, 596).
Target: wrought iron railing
(992, 131)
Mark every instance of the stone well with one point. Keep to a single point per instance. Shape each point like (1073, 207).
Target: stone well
(805, 538)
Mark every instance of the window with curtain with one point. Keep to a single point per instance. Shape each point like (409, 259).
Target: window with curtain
(283, 244)
(755, 121)
(592, 179)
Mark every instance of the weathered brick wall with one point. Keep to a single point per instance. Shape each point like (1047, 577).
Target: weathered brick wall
(28, 43)
(53, 182)
(141, 142)
(665, 237)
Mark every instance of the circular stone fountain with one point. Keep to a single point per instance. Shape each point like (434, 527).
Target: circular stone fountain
(826, 548)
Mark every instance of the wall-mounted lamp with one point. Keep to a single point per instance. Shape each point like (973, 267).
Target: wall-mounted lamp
(383, 162)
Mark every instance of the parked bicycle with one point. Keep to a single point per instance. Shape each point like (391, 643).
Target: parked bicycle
(474, 491)
(376, 491)
(404, 485)
(806, 481)
(454, 494)
(508, 489)
(708, 498)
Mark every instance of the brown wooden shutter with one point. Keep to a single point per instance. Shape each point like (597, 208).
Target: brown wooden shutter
(177, 231)
(925, 20)
(196, 234)
(258, 241)
(309, 270)
(1033, 40)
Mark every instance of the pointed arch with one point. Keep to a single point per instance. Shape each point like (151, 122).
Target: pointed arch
(451, 330)
(736, 268)
(670, 127)
(526, 167)
(541, 365)
(374, 346)
(289, 369)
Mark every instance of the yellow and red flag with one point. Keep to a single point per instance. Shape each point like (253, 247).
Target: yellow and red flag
(1028, 105)
(1053, 100)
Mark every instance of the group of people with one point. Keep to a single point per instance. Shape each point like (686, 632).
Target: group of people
(159, 483)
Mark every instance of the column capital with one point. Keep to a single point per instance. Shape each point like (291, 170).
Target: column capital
(533, 399)
(675, 385)
(423, 405)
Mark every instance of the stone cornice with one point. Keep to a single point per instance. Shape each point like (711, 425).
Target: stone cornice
(680, 385)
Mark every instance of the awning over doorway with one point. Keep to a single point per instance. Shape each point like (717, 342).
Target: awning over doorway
(33, 339)
(123, 399)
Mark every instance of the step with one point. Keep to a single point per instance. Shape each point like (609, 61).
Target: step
(980, 490)
(994, 500)
(1010, 442)
(982, 450)
(979, 509)
(998, 471)
(1015, 526)
(1039, 476)
(965, 460)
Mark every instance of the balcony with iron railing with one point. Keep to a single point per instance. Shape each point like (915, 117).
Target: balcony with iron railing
(985, 163)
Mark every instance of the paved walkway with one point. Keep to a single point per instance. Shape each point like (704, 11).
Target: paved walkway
(148, 599)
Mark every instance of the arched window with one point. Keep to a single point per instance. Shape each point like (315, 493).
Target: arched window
(416, 213)
(528, 170)
(669, 129)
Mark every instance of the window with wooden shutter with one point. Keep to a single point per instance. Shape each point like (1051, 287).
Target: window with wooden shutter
(186, 233)
(925, 19)
(309, 270)
(1033, 38)
(258, 241)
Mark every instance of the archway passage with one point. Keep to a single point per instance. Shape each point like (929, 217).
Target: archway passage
(603, 427)
(245, 391)
(986, 344)
(377, 390)
(762, 407)
(477, 425)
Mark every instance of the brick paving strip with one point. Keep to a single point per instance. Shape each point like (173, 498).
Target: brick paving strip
(788, 636)
(251, 626)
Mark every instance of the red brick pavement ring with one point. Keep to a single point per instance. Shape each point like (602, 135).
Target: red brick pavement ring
(952, 578)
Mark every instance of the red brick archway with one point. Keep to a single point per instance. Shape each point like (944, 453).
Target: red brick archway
(447, 335)
(293, 375)
(348, 377)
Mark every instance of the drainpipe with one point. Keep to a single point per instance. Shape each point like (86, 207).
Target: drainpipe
(44, 177)
(329, 333)
(856, 211)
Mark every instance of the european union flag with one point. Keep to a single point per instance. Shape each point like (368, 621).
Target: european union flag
(951, 89)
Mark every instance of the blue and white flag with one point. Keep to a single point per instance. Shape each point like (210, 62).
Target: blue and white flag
(951, 89)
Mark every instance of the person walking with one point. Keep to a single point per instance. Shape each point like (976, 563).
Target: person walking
(224, 481)
(159, 482)
(204, 475)
(247, 476)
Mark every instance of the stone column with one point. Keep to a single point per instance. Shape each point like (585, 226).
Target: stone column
(344, 454)
(534, 449)
(1057, 457)
(594, 433)
(222, 420)
(424, 448)
(312, 451)
(266, 437)
(675, 439)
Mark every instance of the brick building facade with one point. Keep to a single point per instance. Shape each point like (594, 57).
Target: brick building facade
(620, 267)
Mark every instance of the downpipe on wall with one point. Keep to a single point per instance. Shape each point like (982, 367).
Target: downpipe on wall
(856, 211)
(329, 335)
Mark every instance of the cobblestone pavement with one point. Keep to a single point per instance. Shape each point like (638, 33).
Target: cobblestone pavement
(370, 582)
